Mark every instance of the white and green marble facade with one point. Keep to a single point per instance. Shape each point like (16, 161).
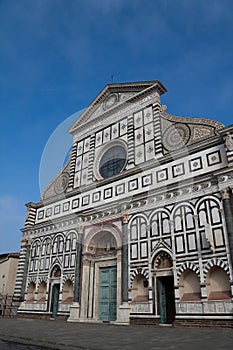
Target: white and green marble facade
(167, 213)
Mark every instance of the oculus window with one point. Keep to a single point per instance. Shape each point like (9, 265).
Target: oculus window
(112, 161)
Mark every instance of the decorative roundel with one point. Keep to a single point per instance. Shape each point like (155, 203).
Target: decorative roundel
(61, 183)
(110, 101)
(176, 136)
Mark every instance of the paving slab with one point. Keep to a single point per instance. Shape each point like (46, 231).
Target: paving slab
(95, 336)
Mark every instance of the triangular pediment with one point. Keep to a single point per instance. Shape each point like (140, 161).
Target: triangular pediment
(114, 96)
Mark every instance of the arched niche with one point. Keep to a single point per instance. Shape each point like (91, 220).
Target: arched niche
(55, 272)
(189, 286)
(140, 290)
(218, 284)
(41, 292)
(31, 292)
(67, 292)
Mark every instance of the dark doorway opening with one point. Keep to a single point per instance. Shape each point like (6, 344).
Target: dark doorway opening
(55, 300)
(166, 299)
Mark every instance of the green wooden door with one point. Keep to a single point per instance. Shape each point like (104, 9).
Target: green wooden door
(162, 300)
(166, 299)
(107, 294)
(55, 300)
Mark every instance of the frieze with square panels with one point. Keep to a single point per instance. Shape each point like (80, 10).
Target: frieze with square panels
(166, 175)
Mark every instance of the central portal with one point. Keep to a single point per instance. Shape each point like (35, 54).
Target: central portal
(107, 294)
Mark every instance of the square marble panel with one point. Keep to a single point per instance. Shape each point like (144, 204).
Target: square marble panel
(178, 169)
(133, 185)
(162, 175)
(195, 164)
(214, 158)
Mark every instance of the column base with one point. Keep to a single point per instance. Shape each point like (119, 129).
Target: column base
(74, 313)
(123, 314)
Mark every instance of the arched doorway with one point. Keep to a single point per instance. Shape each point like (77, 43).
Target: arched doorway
(164, 282)
(55, 281)
(101, 274)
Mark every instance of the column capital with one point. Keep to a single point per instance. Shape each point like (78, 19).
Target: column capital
(125, 219)
(26, 241)
(225, 193)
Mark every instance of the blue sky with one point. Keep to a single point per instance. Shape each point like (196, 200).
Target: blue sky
(57, 55)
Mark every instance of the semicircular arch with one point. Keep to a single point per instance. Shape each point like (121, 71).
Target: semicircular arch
(106, 228)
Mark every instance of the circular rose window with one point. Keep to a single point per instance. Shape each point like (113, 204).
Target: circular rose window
(112, 161)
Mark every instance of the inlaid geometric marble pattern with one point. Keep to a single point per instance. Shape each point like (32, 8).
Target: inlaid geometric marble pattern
(155, 177)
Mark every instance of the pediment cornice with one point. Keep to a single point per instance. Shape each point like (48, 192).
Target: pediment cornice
(141, 90)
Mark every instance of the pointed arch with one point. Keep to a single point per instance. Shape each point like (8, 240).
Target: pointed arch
(161, 249)
(162, 259)
(55, 271)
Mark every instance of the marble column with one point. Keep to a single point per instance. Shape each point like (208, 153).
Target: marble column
(124, 308)
(75, 307)
(77, 272)
(227, 201)
(124, 284)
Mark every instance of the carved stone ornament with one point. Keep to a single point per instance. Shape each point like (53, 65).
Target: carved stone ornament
(225, 193)
(61, 183)
(110, 101)
(229, 142)
(176, 136)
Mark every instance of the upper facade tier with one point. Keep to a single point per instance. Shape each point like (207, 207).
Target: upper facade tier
(124, 129)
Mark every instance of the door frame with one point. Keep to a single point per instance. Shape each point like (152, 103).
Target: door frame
(98, 266)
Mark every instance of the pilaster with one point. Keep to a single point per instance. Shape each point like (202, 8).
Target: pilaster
(21, 276)
(91, 158)
(72, 167)
(124, 308)
(227, 201)
(131, 150)
(157, 128)
(75, 307)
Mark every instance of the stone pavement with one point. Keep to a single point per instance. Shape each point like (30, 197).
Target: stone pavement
(94, 336)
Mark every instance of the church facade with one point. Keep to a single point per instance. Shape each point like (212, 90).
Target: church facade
(138, 225)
